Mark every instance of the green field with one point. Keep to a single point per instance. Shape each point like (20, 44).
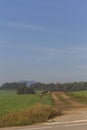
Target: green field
(10, 101)
(80, 93)
(16, 110)
(7, 92)
(80, 96)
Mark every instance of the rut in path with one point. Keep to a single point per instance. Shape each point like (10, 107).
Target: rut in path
(65, 102)
(55, 98)
(72, 102)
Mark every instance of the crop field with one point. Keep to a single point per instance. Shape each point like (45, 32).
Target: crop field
(10, 101)
(80, 93)
(80, 96)
(18, 110)
(7, 93)
(24, 109)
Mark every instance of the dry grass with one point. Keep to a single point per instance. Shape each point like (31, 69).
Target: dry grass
(23, 110)
(38, 113)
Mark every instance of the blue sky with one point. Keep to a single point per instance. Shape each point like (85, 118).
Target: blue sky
(43, 40)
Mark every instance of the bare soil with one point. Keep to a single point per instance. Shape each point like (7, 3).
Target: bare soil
(66, 102)
(72, 110)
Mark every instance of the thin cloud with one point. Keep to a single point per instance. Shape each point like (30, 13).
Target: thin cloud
(50, 53)
(68, 50)
(23, 26)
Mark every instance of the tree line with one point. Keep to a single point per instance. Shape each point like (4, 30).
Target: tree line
(21, 88)
(71, 86)
(67, 87)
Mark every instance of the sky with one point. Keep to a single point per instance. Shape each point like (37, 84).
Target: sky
(43, 40)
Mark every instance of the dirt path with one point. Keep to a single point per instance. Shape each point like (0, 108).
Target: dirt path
(73, 111)
(72, 102)
(72, 116)
(55, 98)
(63, 100)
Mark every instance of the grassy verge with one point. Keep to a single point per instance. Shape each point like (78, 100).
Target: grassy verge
(47, 100)
(38, 113)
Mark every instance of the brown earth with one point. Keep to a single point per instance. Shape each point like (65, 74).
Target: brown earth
(64, 101)
(72, 109)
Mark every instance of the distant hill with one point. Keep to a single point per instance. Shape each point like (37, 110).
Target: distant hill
(28, 83)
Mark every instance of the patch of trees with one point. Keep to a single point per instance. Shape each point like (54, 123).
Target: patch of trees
(25, 90)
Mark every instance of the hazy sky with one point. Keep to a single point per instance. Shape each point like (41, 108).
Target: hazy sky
(43, 40)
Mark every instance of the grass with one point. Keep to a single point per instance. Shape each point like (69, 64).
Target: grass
(18, 110)
(12, 103)
(7, 92)
(47, 99)
(37, 113)
(80, 93)
(62, 99)
(80, 96)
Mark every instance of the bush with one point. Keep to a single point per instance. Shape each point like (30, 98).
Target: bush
(25, 90)
(44, 92)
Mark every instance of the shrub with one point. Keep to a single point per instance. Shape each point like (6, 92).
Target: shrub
(25, 90)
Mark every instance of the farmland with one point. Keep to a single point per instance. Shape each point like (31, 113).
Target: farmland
(24, 109)
(16, 110)
(80, 93)
(10, 101)
(80, 96)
